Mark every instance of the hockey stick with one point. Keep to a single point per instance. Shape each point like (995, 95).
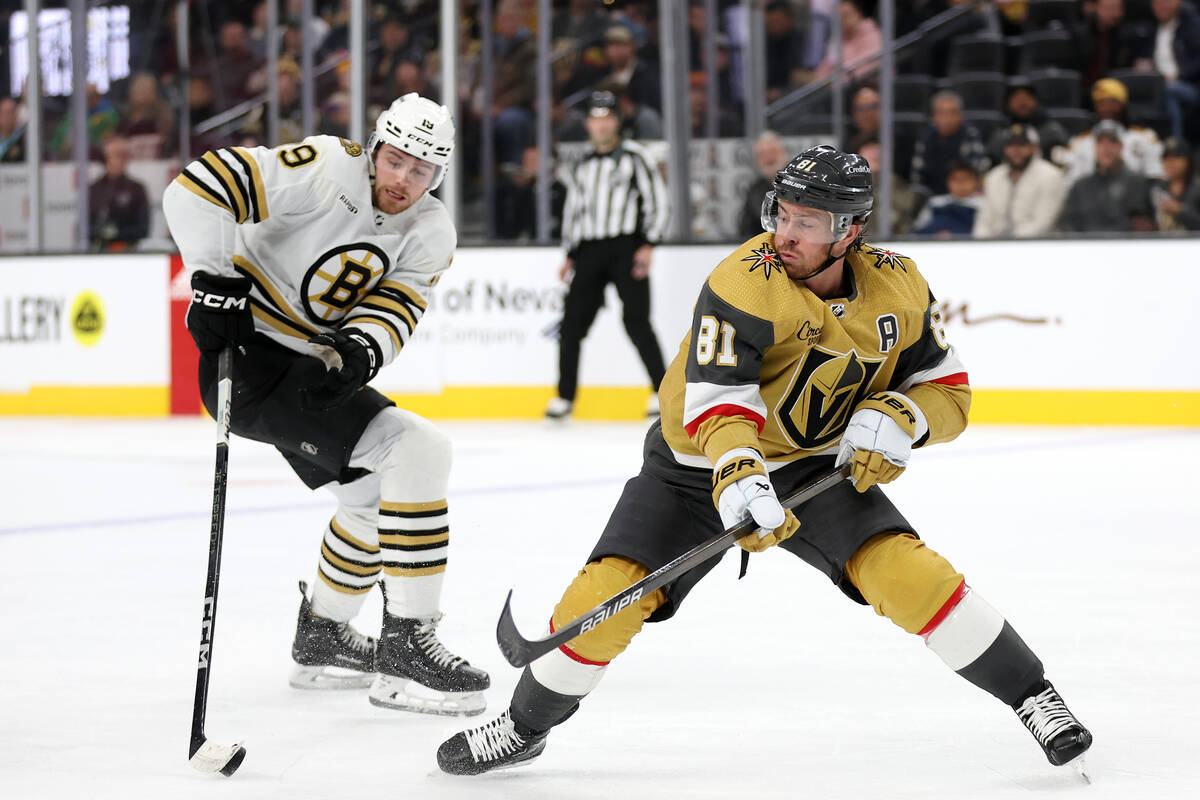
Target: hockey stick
(204, 755)
(520, 651)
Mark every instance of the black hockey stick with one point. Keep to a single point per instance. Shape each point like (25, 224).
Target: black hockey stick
(204, 755)
(520, 651)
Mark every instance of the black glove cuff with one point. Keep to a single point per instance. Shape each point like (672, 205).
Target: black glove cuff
(371, 348)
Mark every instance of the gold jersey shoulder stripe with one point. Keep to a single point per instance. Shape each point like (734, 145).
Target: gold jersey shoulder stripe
(224, 176)
(407, 291)
(378, 319)
(199, 188)
(258, 192)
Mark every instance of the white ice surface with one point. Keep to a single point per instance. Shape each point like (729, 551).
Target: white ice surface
(775, 686)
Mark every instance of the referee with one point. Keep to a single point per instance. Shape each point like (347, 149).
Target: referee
(615, 210)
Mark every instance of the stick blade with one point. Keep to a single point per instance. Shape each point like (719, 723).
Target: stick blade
(513, 646)
(212, 757)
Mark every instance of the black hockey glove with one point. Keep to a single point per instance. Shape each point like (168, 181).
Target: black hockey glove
(352, 358)
(220, 311)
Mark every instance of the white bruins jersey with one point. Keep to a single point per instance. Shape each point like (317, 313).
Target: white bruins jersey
(299, 222)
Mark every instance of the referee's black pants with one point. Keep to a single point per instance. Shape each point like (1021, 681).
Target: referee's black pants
(598, 263)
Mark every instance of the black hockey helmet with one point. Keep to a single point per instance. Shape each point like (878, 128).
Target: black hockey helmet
(824, 177)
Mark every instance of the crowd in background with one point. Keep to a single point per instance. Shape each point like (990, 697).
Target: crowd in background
(1033, 116)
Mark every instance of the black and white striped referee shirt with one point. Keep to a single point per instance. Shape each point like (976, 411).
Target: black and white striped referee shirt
(614, 194)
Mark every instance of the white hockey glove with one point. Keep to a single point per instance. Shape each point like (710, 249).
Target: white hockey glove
(742, 489)
(879, 438)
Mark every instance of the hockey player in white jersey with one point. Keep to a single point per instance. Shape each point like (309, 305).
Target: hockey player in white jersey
(315, 261)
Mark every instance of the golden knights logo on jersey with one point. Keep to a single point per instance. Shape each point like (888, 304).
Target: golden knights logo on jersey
(339, 278)
(765, 257)
(826, 388)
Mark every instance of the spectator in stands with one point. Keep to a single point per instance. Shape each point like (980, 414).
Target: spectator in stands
(148, 120)
(395, 47)
(513, 88)
(770, 156)
(1177, 59)
(234, 65)
(118, 212)
(638, 122)
(1021, 107)
(1108, 41)
(953, 213)
(102, 121)
(411, 77)
(729, 124)
(316, 27)
(581, 21)
(864, 113)
(335, 115)
(201, 108)
(860, 38)
(785, 47)
(12, 132)
(640, 78)
(1141, 151)
(1023, 195)
(1112, 198)
(291, 114)
(906, 201)
(1177, 197)
(516, 199)
(256, 34)
(947, 139)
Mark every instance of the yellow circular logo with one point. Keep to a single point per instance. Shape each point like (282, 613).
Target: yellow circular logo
(87, 318)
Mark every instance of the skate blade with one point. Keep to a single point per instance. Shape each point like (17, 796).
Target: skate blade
(328, 678)
(1079, 765)
(402, 694)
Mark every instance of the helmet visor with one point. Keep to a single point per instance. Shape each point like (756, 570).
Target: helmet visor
(803, 224)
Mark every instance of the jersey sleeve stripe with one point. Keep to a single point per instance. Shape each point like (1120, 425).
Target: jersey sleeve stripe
(401, 298)
(272, 301)
(413, 296)
(278, 322)
(957, 379)
(189, 181)
(258, 195)
(239, 180)
(727, 410)
(386, 304)
(383, 322)
(948, 365)
(225, 178)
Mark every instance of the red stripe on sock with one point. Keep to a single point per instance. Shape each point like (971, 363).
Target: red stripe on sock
(571, 654)
(945, 610)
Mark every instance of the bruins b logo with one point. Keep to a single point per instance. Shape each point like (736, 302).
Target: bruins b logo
(822, 396)
(339, 278)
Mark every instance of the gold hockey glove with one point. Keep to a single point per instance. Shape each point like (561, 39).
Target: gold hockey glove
(742, 489)
(879, 438)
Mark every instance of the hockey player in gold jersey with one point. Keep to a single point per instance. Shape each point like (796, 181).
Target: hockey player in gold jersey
(315, 261)
(808, 348)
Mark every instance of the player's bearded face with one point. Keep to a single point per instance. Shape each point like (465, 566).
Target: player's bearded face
(802, 239)
(400, 179)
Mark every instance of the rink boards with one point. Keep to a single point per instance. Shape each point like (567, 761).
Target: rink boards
(1058, 332)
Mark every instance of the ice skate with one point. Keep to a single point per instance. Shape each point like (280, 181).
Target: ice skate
(559, 409)
(418, 673)
(329, 654)
(500, 744)
(1063, 739)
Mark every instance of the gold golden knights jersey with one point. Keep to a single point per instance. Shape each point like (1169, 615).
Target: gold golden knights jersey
(299, 222)
(769, 365)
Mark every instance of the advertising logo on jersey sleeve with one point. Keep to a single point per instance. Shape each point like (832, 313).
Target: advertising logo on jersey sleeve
(336, 282)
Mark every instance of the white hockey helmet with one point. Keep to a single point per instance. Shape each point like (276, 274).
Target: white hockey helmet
(419, 127)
